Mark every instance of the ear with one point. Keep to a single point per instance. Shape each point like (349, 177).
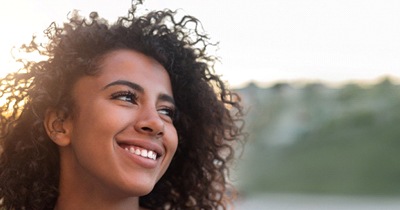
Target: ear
(57, 128)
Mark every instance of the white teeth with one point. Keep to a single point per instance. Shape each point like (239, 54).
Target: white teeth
(143, 153)
(150, 154)
(137, 152)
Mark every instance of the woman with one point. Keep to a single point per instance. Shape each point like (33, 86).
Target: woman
(122, 116)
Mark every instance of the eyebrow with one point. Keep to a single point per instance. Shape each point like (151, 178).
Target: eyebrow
(126, 83)
(134, 86)
(168, 98)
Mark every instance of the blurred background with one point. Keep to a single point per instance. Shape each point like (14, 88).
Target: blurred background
(320, 82)
(325, 147)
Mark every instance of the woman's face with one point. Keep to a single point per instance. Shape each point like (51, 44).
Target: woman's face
(122, 137)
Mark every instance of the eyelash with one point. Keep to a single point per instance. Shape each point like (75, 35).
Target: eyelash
(170, 112)
(131, 97)
(127, 96)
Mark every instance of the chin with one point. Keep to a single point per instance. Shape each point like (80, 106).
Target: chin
(140, 190)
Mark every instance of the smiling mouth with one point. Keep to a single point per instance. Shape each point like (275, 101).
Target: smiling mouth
(140, 152)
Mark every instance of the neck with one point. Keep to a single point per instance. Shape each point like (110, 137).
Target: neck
(78, 191)
(79, 197)
(65, 203)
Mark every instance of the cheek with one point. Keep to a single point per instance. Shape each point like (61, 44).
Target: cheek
(104, 114)
(171, 144)
(173, 141)
(98, 123)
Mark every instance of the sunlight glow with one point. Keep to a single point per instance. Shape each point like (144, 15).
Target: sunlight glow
(262, 41)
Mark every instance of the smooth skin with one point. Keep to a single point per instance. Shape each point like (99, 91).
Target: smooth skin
(129, 103)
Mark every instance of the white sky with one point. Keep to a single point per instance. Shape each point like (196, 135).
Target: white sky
(260, 40)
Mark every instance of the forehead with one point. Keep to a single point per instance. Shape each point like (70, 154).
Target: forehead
(130, 60)
(134, 66)
(127, 65)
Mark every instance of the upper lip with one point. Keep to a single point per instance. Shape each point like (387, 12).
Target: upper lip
(145, 144)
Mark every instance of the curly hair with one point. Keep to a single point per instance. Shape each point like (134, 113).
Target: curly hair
(209, 122)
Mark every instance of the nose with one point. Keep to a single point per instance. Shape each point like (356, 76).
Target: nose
(150, 123)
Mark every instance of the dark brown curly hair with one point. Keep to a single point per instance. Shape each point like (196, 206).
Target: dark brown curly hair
(209, 122)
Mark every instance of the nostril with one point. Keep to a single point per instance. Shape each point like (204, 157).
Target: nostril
(160, 133)
(147, 129)
(153, 131)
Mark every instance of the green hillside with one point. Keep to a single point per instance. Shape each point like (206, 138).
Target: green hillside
(316, 139)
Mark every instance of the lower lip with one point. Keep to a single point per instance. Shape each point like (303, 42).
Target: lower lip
(139, 160)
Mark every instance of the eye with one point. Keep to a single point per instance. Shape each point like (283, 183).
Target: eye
(167, 111)
(127, 96)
